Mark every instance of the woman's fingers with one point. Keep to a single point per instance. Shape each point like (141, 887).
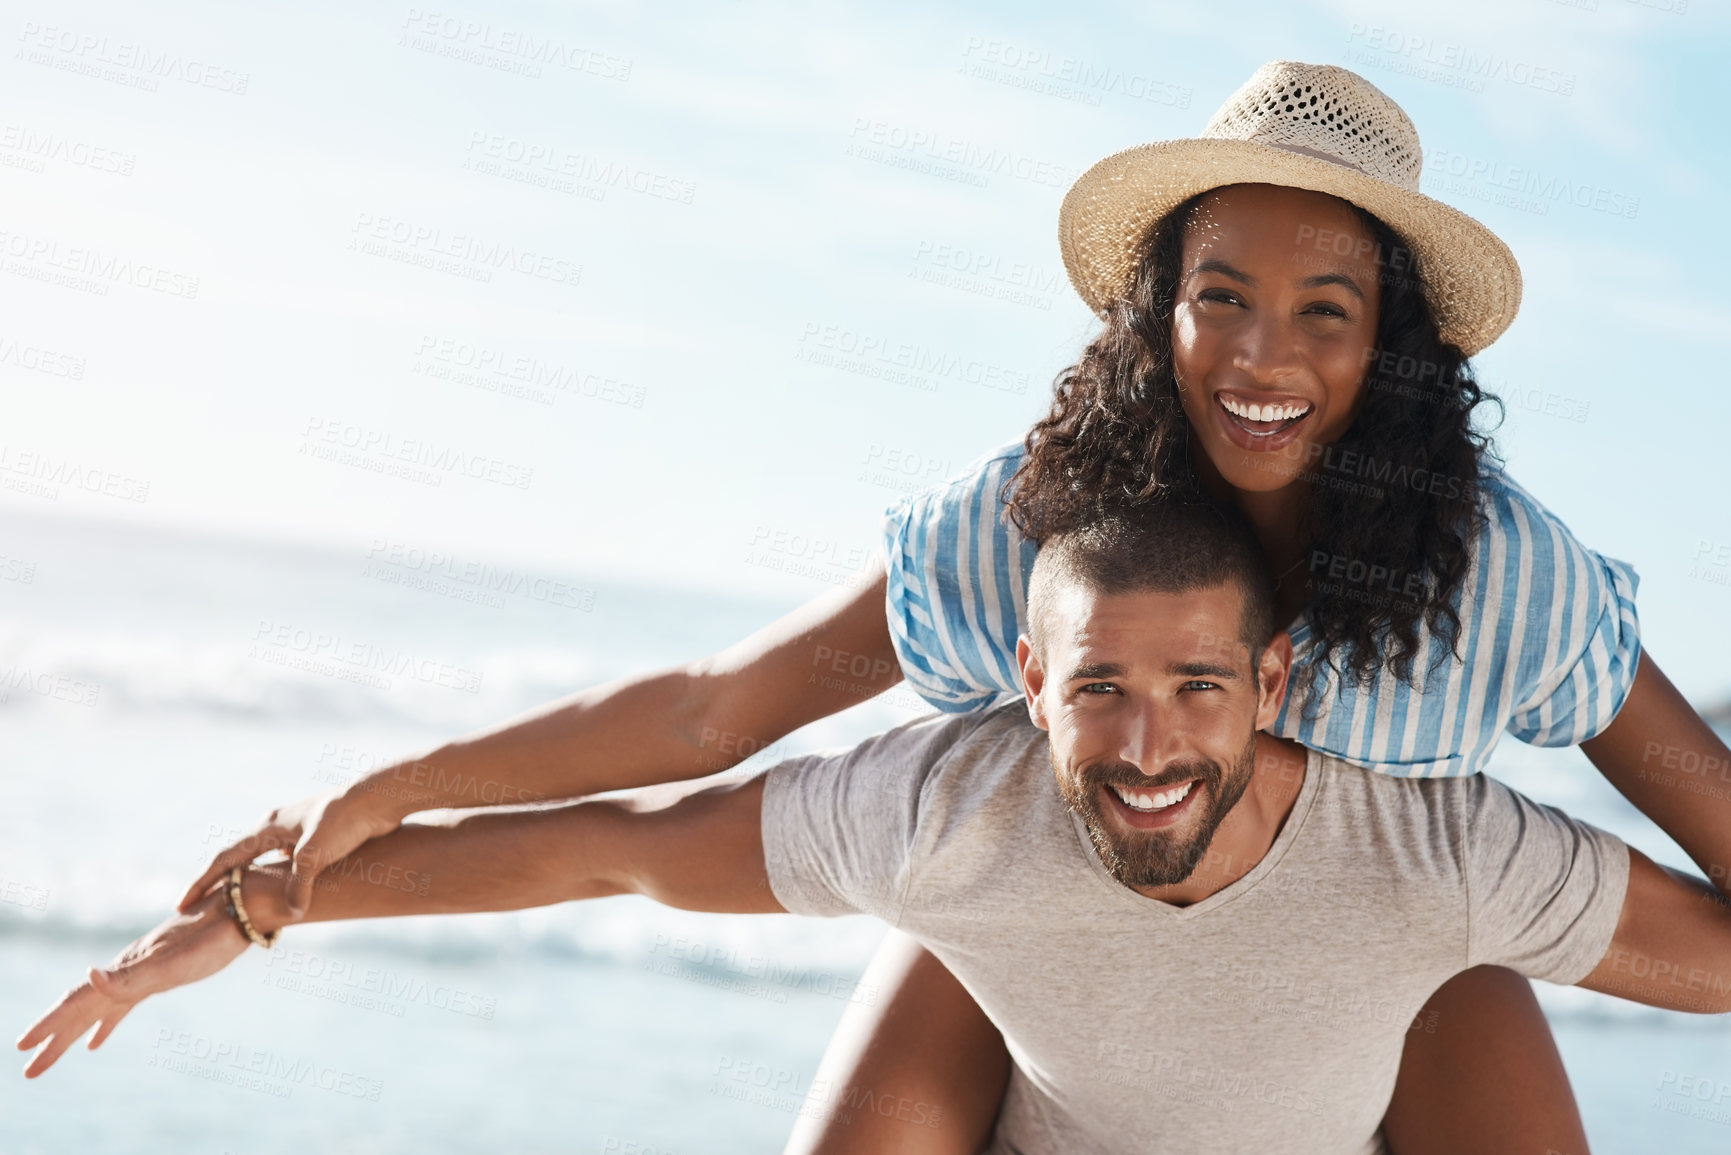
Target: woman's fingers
(329, 831)
(121, 988)
(108, 1023)
(62, 1026)
(43, 1026)
(241, 853)
(322, 845)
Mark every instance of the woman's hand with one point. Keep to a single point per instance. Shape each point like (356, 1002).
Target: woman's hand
(315, 832)
(187, 947)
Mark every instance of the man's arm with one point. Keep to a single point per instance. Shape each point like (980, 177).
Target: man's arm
(1672, 946)
(702, 852)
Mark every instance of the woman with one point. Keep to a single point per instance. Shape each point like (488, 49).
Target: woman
(1286, 325)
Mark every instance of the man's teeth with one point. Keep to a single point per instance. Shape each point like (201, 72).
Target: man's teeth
(1151, 800)
(1258, 412)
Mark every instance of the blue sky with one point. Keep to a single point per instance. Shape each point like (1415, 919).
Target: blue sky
(242, 242)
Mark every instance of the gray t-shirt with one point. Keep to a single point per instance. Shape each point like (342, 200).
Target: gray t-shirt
(1269, 1016)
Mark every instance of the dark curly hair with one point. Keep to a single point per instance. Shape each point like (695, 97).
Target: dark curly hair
(1394, 500)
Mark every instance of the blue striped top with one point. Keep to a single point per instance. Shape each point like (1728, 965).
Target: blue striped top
(1548, 632)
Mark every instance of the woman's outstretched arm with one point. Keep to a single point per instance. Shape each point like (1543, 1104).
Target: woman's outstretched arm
(683, 722)
(1666, 760)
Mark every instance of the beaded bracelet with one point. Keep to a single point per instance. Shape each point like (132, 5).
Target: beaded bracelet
(238, 910)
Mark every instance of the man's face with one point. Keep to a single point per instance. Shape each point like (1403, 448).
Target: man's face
(1153, 703)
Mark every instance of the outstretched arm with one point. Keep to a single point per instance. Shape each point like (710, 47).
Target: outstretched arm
(1667, 761)
(702, 852)
(1672, 947)
(679, 723)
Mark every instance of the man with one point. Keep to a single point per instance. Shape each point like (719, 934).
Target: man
(1193, 936)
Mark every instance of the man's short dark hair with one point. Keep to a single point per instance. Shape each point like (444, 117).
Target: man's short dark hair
(1171, 546)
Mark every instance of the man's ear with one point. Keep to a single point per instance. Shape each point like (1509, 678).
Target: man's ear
(1033, 678)
(1273, 669)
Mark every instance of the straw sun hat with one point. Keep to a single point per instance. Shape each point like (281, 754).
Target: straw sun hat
(1309, 126)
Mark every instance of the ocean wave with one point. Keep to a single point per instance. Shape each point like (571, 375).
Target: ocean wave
(290, 680)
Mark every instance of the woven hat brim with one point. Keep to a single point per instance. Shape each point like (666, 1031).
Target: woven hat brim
(1469, 275)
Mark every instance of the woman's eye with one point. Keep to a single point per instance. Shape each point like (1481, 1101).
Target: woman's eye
(1224, 296)
(1326, 310)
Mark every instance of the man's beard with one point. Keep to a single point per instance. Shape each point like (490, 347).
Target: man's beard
(1150, 858)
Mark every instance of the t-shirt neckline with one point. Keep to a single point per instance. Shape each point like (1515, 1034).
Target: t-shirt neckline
(1154, 908)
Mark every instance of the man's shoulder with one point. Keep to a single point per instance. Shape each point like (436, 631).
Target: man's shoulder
(939, 736)
(998, 736)
(992, 780)
(966, 751)
(1443, 821)
(1398, 820)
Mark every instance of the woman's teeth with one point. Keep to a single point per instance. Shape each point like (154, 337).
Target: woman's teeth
(1151, 800)
(1258, 412)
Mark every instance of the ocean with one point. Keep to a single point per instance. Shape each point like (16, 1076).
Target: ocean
(159, 691)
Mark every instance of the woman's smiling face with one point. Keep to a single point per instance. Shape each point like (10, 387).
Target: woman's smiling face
(1272, 328)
